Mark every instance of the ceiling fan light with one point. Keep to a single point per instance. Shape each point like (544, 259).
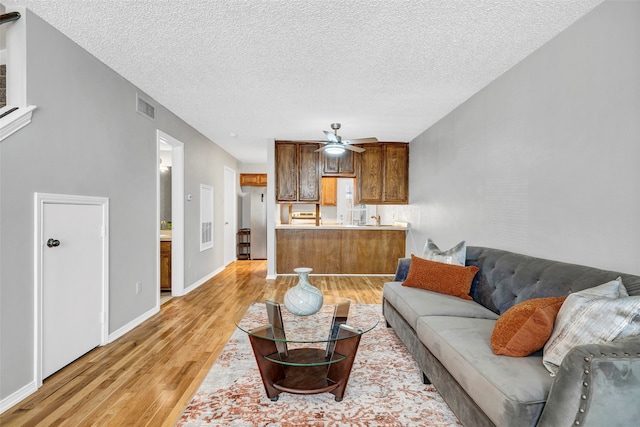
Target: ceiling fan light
(334, 150)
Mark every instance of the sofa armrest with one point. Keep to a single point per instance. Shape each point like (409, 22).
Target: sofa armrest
(402, 269)
(596, 385)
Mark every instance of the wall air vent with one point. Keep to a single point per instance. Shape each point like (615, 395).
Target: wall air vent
(145, 108)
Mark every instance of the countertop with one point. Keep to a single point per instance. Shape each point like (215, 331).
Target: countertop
(398, 226)
(165, 235)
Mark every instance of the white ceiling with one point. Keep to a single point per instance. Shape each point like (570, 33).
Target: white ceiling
(285, 69)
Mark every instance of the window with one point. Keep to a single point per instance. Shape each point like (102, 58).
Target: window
(15, 113)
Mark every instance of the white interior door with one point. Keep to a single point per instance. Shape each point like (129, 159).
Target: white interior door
(230, 220)
(72, 282)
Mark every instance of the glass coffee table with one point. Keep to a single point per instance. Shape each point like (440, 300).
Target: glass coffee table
(308, 354)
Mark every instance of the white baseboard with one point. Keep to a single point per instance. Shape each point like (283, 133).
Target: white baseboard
(14, 398)
(129, 326)
(196, 284)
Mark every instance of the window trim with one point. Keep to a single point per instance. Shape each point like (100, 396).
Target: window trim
(16, 48)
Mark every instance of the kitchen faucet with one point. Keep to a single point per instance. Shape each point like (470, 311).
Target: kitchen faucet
(377, 218)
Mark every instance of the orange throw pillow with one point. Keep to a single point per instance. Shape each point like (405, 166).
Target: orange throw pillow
(439, 277)
(525, 327)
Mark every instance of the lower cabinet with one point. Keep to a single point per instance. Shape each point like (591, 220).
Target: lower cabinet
(165, 266)
(339, 251)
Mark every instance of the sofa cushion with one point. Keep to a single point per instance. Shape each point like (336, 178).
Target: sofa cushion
(596, 315)
(412, 303)
(511, 391)
(525, 327)
(439, 277)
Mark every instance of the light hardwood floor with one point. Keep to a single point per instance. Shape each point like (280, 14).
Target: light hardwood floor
(148, 376)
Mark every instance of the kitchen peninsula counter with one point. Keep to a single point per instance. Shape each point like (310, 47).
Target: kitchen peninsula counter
(339, 249)
(340, 227)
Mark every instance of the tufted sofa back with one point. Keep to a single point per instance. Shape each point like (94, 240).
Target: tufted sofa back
(507, 278)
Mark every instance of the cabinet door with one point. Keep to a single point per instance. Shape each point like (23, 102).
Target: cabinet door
(165, 266)
(369, 178)
(342, 165)
(396, 174)
(309, 173)
(253, 179)
(329, 191)
(347, 166)
(286, 159)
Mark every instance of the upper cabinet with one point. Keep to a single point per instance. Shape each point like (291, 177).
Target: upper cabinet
(342, 165)
(329, 191)
(253, 179)
(297, 172)
(383, 174)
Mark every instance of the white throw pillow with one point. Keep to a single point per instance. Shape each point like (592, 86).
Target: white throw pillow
(596, 315)
(456, 255)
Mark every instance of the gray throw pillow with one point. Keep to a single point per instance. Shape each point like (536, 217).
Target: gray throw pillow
(457, 255)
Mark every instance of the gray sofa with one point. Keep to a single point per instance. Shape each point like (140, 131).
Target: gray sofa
(596, 385)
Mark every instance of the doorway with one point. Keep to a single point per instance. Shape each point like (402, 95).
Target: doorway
(175, 148)
(71, 286)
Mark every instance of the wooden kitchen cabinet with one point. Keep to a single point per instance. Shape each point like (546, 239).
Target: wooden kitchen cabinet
(297, 172)
(340, 251)
(342, 165)
(369, 175)
(329, 191)
(165, 265)
(253, 179)
(383, 174)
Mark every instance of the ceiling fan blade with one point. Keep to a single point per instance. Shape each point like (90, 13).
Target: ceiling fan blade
(331, 136)
(344, 146)
(361, 140)
(353, 148)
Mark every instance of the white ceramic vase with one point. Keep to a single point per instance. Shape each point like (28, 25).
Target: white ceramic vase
(303, 299)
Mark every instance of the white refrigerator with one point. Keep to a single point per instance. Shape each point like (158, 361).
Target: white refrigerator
(258, 222)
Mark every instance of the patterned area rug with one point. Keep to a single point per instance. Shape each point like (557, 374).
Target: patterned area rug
(385, 389)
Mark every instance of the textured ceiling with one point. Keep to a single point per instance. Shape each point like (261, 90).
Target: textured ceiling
(262, 70)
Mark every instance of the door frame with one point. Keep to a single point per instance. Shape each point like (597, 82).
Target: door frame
(229, 250)
(177, 213)
(40, 199)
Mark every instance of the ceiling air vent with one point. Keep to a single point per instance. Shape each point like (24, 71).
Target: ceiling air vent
(145, 108)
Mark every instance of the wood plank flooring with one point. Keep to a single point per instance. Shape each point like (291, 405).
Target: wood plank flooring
(148, 376)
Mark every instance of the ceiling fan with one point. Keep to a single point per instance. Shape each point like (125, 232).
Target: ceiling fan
(336, 145)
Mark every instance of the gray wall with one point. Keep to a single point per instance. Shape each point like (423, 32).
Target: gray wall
(546, 159)
(87, 139)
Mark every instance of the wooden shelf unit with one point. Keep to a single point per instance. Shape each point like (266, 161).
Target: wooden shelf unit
(243, 242)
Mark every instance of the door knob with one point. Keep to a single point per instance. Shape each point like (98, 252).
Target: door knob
(53, 243)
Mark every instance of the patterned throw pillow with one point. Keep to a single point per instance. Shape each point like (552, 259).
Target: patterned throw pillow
(438, 277)
(456, 255)
(595, 315)
(525, 327)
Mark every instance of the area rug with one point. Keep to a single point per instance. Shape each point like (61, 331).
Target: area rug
(385, 389)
